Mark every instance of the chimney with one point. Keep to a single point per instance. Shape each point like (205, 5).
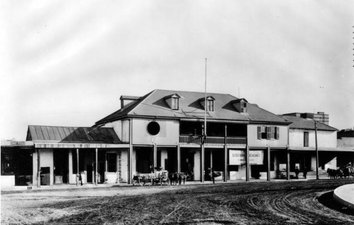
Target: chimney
(125, 100)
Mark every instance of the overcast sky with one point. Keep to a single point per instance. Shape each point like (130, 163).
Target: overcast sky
(66, 63)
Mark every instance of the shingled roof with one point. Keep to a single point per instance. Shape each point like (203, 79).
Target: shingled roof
(153, 105)
(307, 124)
(56, 134)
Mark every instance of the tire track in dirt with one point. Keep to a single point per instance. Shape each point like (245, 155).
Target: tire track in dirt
(241, 203)
(300, 207)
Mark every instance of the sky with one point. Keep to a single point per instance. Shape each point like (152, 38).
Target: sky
(66, 63)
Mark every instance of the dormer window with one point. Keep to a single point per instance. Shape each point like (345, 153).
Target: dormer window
(173, 101)
(240, 105)
(210, 103)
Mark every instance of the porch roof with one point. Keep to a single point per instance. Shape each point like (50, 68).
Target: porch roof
(72, 135)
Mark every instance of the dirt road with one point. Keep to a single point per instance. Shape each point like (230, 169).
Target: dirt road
(305, 202)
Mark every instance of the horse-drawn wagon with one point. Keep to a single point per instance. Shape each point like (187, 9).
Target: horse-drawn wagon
(158, 177)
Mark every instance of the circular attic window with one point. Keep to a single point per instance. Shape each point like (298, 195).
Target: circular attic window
(153, 128)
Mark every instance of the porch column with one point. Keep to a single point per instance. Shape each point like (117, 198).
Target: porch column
(202, 156)
(247, 163)
(77, 167)
(117, 165)
(268, 163)
(70, 165)
(130, 153)
(96, 166)
(225, 164)
(105, 166)
(178, 158)
(225, 154)
(155, 156)
(287, 163)
(211, 159)
(38, 169)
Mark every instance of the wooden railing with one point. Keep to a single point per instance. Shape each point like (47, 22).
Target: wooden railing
(212, 140)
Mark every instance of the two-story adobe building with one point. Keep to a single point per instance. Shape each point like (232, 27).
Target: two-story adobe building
(161, 129)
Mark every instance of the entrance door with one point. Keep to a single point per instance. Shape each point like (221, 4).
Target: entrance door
(89, 173)
(61, 166)
(144, 160)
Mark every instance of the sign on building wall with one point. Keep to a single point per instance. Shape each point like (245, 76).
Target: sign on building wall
(238, 157)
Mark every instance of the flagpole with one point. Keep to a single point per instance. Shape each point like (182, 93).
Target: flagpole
(205, 98)
(203, 137)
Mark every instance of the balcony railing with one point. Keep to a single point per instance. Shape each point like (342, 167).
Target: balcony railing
(212, 140)
(236, 140)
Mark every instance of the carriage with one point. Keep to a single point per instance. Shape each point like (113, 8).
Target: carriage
(346, 172)
(158, 177)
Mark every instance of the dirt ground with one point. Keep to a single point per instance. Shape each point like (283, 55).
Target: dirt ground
(286, 202)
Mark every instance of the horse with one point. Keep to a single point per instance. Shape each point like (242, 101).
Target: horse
(178, 178)
(334, 173)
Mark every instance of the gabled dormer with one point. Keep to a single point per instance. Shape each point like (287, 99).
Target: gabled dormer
(240, 105)
(173, 101)
(210, 104)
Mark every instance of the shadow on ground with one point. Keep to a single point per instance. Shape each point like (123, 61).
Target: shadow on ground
(328, 201)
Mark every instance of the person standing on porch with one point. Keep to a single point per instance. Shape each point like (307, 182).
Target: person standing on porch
(297, 171)
(305, 172)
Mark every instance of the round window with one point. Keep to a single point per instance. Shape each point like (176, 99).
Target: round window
(153, 128)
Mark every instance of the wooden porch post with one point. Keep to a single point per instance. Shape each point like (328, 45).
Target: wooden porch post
(38, 168)
(202, 152)
(287, 163)
(225, 164)
(268, 163)
(155, 156)
(178, 158)
(130, 154)
(77, 167)
(247, 163)
(96, 166)
(117, 166)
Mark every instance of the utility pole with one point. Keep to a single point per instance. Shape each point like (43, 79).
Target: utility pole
(316, 146)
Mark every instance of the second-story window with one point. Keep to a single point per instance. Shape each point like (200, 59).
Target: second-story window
(267, 132)
(306, 139)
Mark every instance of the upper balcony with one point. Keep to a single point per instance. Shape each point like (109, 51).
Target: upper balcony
(217, 133)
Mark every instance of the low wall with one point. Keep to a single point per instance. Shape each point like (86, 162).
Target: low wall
(345, 195)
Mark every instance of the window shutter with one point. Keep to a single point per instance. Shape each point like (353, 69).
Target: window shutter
(277, 133)
(259, 132)
(269, 130)
(272, 133)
